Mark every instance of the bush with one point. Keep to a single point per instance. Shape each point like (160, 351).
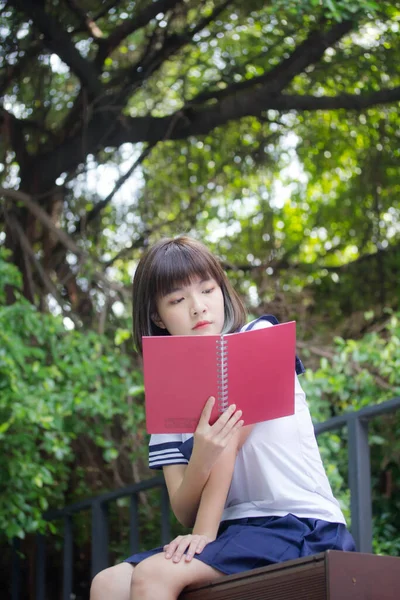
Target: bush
(361, 373)
(58, 388)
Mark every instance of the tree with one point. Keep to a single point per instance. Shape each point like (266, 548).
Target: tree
(79, 80)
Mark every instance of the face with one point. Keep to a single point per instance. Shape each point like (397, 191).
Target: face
(194, 309)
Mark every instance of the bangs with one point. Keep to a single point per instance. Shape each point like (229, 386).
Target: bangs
(179, 265)
(171, 263)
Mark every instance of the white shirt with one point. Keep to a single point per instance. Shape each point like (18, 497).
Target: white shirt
(277, 471)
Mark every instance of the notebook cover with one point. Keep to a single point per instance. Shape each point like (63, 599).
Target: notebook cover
(180, 374)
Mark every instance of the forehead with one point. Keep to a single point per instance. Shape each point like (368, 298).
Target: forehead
(180, 267)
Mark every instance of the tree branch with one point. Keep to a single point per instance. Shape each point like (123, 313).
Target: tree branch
(91, 215)
(130, 26)
(11, 72)
(88, 23)
(63, 237)
(103, 11)
(341, 101)
(183, 124)
(43, 217)
(60, 42)
(143, 239)
(13, 131)
(306, 53)
(46, 281)
(151, 61)
(283, 264)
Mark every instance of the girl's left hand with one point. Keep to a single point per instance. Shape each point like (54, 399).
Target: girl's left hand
(194, 544)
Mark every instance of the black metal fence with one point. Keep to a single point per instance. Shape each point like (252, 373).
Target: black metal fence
(359, 484)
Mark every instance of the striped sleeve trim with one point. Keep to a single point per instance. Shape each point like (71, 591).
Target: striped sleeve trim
(166, 454)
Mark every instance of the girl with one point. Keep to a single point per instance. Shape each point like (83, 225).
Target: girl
(253, 495)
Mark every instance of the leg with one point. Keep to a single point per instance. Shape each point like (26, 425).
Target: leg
(114, 582)
(156, 577)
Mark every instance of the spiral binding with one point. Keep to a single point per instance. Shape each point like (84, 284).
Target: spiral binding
(222, 374)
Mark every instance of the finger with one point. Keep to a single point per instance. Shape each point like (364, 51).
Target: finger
(206, 412)
(230, 422)
(181, 548)
(192, 549)
(232, 425)
(171, 547)
(202, 544)
(197, 547)
(223, 419)
(233, 434)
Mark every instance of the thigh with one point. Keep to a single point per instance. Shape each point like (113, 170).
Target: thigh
(114, 582)
(175, 576)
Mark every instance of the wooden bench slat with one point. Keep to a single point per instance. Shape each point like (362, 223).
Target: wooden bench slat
(331, 575)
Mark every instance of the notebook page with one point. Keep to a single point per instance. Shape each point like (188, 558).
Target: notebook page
(180, 374)
(261, 372)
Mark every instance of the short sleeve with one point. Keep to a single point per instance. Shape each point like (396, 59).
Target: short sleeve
(164, 449)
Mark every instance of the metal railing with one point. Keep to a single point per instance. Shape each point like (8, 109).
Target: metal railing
(359, 465)
(360, 493)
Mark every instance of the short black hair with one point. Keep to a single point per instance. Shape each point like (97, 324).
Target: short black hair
(169, 263)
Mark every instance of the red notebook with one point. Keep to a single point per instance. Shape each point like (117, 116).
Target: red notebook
(254, 369)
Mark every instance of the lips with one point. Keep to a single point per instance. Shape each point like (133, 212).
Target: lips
(201, 324)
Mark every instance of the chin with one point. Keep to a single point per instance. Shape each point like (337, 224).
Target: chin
(204, 331)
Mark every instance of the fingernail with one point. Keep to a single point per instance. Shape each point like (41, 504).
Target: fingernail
(176, 558)
(189, 556)
(233, 406)
(168, 555)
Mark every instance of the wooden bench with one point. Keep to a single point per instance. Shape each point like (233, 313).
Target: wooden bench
(331, 575)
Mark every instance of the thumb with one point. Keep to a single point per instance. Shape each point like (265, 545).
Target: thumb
(206, 412)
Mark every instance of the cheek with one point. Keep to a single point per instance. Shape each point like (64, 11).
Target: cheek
(221, 303)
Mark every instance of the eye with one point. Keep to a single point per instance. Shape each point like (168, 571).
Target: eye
(176, 300)
(208, 290)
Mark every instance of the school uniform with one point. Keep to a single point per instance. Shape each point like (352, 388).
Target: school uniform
(280, 504)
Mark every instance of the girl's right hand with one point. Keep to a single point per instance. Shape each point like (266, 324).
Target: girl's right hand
(211, 440)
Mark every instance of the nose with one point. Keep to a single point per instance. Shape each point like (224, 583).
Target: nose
(198, 307)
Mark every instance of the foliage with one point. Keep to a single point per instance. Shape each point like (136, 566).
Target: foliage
(333, 9)
(61, 389)
(268, 129)
(358, 374)
(61, 393)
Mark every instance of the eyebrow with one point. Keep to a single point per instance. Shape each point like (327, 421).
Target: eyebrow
(179, 289)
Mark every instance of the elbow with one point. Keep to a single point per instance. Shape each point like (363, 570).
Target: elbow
(184, 518)
(186, 522)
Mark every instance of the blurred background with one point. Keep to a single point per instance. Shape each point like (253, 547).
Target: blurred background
(268, 130)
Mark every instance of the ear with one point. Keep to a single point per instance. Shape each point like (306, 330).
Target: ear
(157, 321)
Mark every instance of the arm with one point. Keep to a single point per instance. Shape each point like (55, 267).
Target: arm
(210, 503)
(215, 493)
(186, 483)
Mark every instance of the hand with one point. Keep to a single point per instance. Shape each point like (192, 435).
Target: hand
(211, 440)
(194, 544)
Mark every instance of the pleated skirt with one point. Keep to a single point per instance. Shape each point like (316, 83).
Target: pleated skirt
(249, 543)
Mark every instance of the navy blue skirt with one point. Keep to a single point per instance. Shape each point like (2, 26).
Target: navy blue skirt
(244, 544)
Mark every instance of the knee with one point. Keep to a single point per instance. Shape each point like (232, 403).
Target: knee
(144, 574)
(103, 584)
(152, 576)
(100, 583)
